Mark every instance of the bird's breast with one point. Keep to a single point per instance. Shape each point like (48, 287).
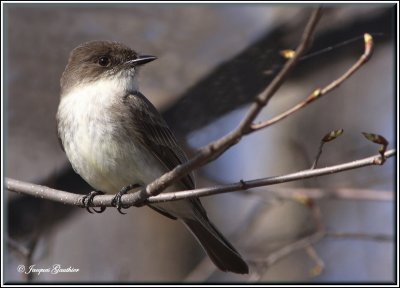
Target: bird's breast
(107, 156)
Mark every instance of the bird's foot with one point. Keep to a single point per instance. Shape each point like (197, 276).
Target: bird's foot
(117, 202)
(87, 201)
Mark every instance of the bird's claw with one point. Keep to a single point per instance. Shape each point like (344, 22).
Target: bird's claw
(117, 200)
(87, 201)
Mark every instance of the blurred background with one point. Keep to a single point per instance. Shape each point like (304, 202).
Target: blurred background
(212, 61)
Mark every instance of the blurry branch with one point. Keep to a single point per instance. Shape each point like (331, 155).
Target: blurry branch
(360, 236)
(105, 200)
(17, 247)
(307, 243)
(260, 265)
(26, 252)
(263, 264)
(326, 192)
(319, 264)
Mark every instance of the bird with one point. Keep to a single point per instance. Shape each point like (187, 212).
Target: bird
(115, 138)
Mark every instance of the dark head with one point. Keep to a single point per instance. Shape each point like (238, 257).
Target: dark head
(97, 59)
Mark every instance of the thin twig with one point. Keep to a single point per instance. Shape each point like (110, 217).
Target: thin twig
(360, 236)
(319, 264)
(318, 93)
(332, 135)
(329, 192)
(326, 192)
(130, 199)
(286, 250)
(314, 165)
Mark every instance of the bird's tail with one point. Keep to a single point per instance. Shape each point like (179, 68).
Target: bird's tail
(220, 251)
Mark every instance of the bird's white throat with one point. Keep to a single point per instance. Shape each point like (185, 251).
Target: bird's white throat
(99, 92)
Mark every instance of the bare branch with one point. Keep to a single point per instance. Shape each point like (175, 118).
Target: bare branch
(149, 194)
(44, 192)
(286, 250)
(130, 199)
(243, 185)
(216, 148)
(318, 93)
(306, 243)
(203, 156)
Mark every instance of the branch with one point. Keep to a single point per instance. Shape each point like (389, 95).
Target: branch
(130, 199)
(318, 93)
(22, 250)
(216, 148)
(319, 263)
(290, 248)
(306, 243)
(27, 253)
(198, 98)
(264, 263)
(243, 185)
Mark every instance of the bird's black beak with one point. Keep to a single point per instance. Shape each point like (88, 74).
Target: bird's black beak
(142, 59)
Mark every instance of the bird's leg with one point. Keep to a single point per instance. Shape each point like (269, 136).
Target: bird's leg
(87, 201)
(117, 198)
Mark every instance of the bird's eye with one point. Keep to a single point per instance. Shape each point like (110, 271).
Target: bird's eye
(104, 61)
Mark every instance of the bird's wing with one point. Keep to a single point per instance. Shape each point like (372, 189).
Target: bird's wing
(154, 133)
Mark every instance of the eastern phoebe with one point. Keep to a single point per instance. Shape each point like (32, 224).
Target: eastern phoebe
(113, 136)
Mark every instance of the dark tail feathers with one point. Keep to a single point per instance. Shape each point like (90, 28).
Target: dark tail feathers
(220, 251)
